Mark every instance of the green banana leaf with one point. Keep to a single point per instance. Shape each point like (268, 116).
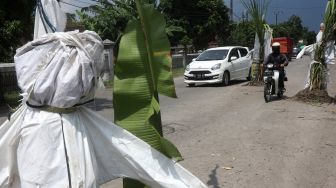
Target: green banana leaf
(142, 72)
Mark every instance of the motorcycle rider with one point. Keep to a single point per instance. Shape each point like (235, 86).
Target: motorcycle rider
(280, 61)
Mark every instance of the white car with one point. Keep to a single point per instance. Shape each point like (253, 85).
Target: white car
(219, 65)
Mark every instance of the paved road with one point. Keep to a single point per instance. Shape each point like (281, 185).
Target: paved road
(230, 137)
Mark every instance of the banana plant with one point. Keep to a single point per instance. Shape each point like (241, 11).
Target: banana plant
(142, 72)
(318, 76)
(257, 9)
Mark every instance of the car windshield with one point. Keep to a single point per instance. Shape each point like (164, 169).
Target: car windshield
(212, 55)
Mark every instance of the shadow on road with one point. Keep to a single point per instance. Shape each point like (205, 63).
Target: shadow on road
(276, 98)
(213, 178)
(233, 82)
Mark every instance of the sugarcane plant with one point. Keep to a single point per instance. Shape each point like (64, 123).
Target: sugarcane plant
(319, 69)
(257, 9)
(142, 72)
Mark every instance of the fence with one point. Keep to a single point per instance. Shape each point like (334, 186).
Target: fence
(178, 60)
(8, 81)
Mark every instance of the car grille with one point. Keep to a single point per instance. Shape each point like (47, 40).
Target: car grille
(201, 78)
(199, 72)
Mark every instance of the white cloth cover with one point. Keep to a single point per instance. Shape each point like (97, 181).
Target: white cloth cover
(310, 50)
(54, 14)
(330, 49)
(268, 36)
(330, 53)
(319, 36)
(268, 41)
(79, 149)
(256, 48)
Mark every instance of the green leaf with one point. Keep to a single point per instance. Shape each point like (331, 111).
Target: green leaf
(170, 149)
(143, 71)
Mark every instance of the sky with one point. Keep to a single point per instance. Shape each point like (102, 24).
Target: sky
(310, 11)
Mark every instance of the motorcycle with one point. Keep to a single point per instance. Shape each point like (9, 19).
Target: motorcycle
(271, 80)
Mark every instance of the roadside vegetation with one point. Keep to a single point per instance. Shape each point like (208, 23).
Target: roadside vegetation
(257, 10)
(16, 26)
(317, 89)
(204, 22)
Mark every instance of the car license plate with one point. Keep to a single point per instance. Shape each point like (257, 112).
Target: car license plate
(199, 75)
(269, 73)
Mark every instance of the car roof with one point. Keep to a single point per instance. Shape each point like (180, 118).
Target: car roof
(224, 48)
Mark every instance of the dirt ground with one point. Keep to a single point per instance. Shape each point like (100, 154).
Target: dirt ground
(230, 137)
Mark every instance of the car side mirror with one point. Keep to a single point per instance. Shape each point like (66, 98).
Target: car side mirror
(233, 58)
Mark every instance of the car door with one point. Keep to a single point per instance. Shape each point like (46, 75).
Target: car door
(244, 63)
(234, 63)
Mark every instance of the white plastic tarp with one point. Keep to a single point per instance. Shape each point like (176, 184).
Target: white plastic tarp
(78, 149)
(268, 41)
(310, 50)
(267, 44)
(49, 18)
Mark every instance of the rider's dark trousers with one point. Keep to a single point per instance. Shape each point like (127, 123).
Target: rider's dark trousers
(281, 79)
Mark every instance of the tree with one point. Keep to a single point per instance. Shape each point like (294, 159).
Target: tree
(242, 34)
(310, 37)
(203, 21)
(257, 9)
(293, 28)
(108, 19)
(72, 23)
(16, 27)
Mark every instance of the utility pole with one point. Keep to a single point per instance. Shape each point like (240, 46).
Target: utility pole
(245, 16)
(276, 13)
(231, 9)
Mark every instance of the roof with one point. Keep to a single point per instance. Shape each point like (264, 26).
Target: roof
(225, 48)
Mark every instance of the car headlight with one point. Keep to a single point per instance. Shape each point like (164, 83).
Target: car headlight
(188, 68)
(215, 67)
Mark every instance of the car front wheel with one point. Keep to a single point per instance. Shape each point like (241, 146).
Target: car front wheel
(226, 79)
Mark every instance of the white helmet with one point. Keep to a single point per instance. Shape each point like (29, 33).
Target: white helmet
(276, 48)
(275, 44)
